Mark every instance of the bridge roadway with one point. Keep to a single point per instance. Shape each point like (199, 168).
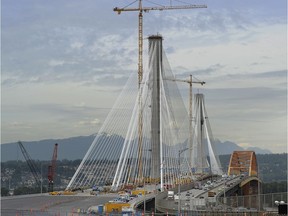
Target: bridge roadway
(197, 199)
(193, 199)
(50, 205)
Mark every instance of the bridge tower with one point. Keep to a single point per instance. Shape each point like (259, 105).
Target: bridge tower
(204, 156)
(122, 157)
(155, 64)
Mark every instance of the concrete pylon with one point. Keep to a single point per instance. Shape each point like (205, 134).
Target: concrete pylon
(155, 67)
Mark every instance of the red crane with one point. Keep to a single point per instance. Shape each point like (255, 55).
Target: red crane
(51, 169)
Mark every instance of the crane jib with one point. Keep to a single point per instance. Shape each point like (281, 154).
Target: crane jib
(145, 9)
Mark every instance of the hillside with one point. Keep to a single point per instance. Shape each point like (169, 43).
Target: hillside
(74, 148)
(273, 168)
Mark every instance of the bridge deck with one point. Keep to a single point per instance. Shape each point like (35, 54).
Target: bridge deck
(50, 205)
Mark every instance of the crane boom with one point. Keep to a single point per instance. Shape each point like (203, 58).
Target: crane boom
(187, 81)
(33, 168)
(51, 169)
(142, 9)
(146, 9)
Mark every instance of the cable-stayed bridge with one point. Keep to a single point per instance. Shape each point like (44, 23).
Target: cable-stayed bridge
(145, 138)
(147, 141)
(236, 194)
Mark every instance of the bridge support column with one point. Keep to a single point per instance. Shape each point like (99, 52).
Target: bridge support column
(251, 195)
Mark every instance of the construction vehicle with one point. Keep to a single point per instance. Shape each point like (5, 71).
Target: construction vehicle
(115, 207)
(33, 168)
(171, 195)
(51, 169)
(211, 194)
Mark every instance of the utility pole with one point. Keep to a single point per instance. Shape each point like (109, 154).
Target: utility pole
(258, 188)
(41, 179)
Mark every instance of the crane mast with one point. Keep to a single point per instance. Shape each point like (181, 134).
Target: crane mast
(142, 9)
(51, 169)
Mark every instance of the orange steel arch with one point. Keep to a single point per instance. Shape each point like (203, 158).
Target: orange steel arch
(243, 162)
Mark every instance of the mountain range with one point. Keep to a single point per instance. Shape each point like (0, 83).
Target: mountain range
(74, 148)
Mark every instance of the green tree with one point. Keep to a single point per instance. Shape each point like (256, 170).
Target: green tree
(274, 187)
(27, 190)
(4, 191)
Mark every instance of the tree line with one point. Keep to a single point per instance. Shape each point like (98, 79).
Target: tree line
(14, 174)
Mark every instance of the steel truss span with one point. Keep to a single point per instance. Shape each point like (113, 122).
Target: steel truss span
(243, 162)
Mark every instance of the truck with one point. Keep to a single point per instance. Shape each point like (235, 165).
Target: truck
(171, 195)
(211, 193)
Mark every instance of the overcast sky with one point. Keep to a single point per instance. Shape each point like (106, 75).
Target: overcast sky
(65, 61)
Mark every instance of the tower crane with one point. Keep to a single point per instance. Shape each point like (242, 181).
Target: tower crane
(142, 9)
(189, 81)
(51, 169)
(33, 168)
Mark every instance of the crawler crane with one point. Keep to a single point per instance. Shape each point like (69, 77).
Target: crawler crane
(33, 168)
(51, 169)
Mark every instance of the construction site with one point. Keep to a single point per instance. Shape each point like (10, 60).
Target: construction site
(154, 154)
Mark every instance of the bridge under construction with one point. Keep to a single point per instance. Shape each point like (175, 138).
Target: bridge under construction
(160, 155)
(150, 144)
(154, 122)
(229, 197)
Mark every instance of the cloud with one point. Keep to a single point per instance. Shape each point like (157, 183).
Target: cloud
(244, 145)
(18, 125)
(199, 72)
(56, 63)
(282, 74)
(76, 45)
(77, 51)
(80, 105)
(63, 63)
(88, 123)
